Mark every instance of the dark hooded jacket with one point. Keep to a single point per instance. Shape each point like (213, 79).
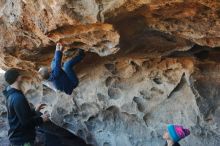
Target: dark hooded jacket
(21, 118)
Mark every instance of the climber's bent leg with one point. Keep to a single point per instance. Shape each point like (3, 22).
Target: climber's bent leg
(68, 68)
(71, 73)
(76, 59)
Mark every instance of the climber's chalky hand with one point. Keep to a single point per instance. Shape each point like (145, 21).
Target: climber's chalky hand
(59, 47)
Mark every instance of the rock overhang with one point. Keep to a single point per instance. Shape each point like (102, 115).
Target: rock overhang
(30, 29)
(145, 58)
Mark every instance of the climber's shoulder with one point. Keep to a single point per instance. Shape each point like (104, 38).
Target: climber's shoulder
(15, 97)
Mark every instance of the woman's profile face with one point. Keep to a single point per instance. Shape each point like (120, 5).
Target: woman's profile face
(166, 136)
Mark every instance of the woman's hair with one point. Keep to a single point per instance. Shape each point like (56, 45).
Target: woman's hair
(175, 144)
(166, 144)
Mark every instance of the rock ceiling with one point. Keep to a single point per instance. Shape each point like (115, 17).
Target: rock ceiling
(148, 28)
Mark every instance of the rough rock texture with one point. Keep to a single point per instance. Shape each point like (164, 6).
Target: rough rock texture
(3, 117)
(153, 62)
(128, 102)
(29, 29)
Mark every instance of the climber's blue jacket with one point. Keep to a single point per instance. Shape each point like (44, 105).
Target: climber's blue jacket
(64, 80)
(58, 77)
(21, 118)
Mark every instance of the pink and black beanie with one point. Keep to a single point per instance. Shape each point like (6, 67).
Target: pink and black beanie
(177, 132)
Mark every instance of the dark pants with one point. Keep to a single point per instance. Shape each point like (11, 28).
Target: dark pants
(26, 144)
(52, 140)
(68, 68)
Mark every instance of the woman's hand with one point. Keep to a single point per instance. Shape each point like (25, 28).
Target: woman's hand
(45, 117)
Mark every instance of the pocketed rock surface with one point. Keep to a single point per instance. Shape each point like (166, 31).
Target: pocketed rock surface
(148, 63)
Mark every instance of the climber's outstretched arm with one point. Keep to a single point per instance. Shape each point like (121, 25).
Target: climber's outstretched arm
(56, 64)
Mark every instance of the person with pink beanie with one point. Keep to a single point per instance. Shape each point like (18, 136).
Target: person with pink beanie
(174, 134)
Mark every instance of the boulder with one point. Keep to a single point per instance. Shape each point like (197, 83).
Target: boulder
(148, 63)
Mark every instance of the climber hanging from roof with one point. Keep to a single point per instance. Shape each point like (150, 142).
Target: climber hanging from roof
(64, 79)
